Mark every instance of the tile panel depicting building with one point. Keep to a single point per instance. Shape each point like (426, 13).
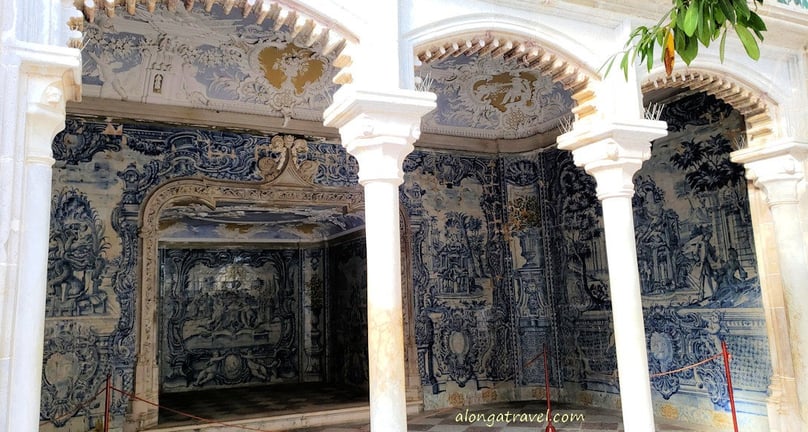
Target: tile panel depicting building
(298, 214)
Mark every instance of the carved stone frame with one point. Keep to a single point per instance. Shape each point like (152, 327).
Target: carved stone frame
(285, 190)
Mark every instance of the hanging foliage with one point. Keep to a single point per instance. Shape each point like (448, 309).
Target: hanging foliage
(688, 24)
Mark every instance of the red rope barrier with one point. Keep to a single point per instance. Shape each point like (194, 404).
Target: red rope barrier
(709, 359)
(67, 416)
(107, 401)
(108, 388)
(184, 414)
(726, 357)
(550, 427)
(513, 375)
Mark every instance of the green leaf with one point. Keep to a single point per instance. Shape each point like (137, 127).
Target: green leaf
(680, 19)
(691, 20)
(727, 10)
(660, 36)
(690, 50)
(741, 9)
(624, 66)
(705, 30)
(694, 23)
(678, 40)
(718, 14)
(608, 64)
(755, 22)
(748, 41)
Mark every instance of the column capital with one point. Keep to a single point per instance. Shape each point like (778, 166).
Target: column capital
(45, 116)
(378, 128)
(612, 151)
(50, 77)
(776, 169)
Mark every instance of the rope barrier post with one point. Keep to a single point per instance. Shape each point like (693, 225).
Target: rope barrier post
(550, 427)
(107, 402)
(725, 353)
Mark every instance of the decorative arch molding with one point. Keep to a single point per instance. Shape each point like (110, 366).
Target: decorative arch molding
(543, 49)
(757, 108)
(503, 37)
(286, 187)
(307, 29)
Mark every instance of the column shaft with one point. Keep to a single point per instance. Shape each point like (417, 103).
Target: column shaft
(612, 152)
(388, 405)
(29, 312)
(792, 253)
(627, 313)
(379, 127)
(778, 169)
(38, 115)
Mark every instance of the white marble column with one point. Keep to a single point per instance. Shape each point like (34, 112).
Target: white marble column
(378, 129)
(779, 171)
(612, 152)
(37, 81)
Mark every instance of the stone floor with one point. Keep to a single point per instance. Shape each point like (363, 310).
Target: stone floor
(279, 400)
(246, 402)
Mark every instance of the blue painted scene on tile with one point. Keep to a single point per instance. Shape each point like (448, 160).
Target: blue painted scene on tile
(507, 259)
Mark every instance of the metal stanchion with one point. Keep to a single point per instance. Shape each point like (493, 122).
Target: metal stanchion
(550, 427)
(107, 402)
(725, 353)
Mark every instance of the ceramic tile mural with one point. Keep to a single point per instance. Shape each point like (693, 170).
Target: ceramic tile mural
(102, 177)
(230, 317)
(347, 316)
(485, 97)
(213, 60)
(696, 261)
(508, 258)
(463, 299)
(313, 264)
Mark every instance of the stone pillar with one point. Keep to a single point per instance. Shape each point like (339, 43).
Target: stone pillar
(779, 171)
(37, 81)
(612, 153)
(379, 129)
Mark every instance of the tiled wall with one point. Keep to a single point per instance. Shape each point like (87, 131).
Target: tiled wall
(103, 174)
(463, 298)
(229, 317)
(507, 258)
(347, 311)
(697, 271)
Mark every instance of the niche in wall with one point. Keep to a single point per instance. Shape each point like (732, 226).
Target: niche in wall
(218, 248)
(230, 317)
(236, 313)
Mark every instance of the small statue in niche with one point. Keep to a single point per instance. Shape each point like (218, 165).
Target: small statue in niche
(157, 85)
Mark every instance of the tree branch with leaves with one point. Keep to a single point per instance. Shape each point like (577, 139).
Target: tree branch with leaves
(688, 24)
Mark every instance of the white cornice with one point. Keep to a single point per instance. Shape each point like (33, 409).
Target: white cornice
(120, 111)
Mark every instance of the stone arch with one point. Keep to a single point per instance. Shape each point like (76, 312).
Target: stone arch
(286, 188)
(541, 48)
(308, 26)
(757, 108)
(550, 51)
